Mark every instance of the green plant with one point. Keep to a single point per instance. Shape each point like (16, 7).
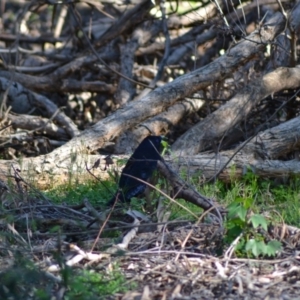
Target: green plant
(94, 191)
(165, 146)
(23, 280)
(242, 226)
(91, 285)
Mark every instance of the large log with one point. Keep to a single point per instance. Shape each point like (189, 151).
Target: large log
(215, 125)
(259, 155)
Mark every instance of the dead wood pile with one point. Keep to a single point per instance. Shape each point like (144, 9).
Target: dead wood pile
(218, 79)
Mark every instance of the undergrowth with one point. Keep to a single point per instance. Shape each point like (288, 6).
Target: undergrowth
(79, 284)
(278, 200)
(98, 193)
(252, 203)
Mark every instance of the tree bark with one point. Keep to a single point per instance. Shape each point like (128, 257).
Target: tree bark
(215, 125)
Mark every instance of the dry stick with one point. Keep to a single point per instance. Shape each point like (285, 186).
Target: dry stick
(37, 69)
(249, 139)
(35, 123)
(191, 231)
(224, 18)
(19, 178)
(130, 235)
(165, 58)
(99, 217)
(76, 233)
(4, 98)
(191, 195)
(97, 55)
(167, 43)
(18, 22)
(163, 121)
(56, 81)
(293, 23)
(213, 258)
(6, 37)
(140, 36)
(57, 207)
(104, 223)
(3, 128)
(60, 21)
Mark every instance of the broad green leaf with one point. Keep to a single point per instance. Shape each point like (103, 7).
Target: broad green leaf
(235, 222)
(248, 202)
(256, 247)
(272, 247)
(232, 210)
(239, 200)
(242, 213)
(257, 220)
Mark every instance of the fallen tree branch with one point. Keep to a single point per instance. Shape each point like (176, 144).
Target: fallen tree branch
(215, 125)
(37, 124)
(158, 125)
(182, 190)
(22, 100)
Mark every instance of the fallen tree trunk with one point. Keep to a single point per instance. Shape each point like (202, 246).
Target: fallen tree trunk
(71, 157)
(259, 155)
(160, 124)
(235, 110)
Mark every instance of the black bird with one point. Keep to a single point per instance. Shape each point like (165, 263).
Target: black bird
(140, 165)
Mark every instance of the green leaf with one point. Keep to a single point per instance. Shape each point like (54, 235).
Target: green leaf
(239, 200)
(272, 247)
(236, 222)
(236, 210)
(55, 229)
(248, 202)
(233, 232)
(257, 220)
(242, 213)
(232, 210)
(165, 144)
(241, 245)
(256, 247)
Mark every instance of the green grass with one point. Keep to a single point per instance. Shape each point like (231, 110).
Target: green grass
(72, 194)
(269, 197)
(276, 199)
